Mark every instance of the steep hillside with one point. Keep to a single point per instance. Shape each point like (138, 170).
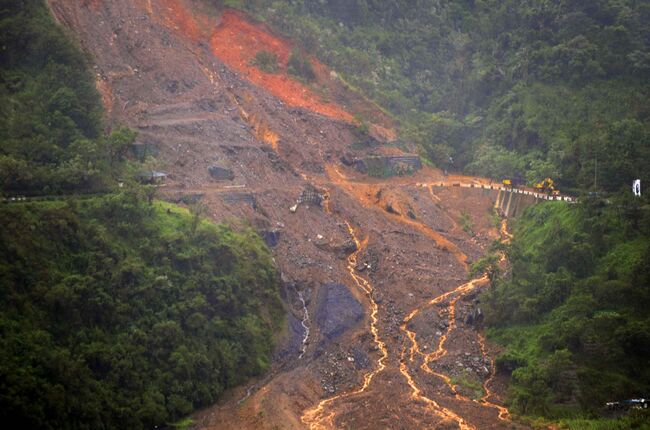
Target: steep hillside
(230, 142)
(115, 311)
(383, 320)
(573, 311)
(115, 324)
(539, 88)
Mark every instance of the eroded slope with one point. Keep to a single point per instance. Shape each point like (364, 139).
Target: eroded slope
(230, 141)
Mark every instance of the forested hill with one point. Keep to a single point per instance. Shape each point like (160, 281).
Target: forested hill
(116, 324)
(116, 312)
(50, 117)
(572, 313)
(538, 87)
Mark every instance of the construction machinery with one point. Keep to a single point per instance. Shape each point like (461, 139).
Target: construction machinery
(547, 186)
(514, 181)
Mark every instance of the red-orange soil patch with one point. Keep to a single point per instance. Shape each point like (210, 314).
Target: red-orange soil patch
(176, 14)
(236, 41)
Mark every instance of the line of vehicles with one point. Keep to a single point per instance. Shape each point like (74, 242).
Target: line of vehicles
(628, 404)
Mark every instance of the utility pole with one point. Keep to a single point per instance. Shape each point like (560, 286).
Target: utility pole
(596, 173)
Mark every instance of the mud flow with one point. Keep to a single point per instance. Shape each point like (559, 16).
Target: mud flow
(383, 322)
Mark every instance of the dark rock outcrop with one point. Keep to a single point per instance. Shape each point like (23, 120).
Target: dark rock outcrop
(221, 174)
(337, 311)
(271, 237)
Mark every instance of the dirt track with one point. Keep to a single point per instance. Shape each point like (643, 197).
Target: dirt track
(162, 68)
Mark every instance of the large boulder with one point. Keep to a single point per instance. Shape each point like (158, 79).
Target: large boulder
(220, 173)
(271, 237)
(337, 311)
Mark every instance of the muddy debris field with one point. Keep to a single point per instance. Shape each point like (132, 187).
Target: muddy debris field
(383, 318)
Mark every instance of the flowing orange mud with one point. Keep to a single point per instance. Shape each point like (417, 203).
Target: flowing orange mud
(504, 413)
(317, 418)
(260, 124)
(416, 394)
(149, 8)
(365, 193)
(504, 231)
(439, 239)
(441, 351)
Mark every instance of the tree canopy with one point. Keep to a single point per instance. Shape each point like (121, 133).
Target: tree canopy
(544, 88)
(119, 314)
(116, 312)
(573, 312)
(51, 137)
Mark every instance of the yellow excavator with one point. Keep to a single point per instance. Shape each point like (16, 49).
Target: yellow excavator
(514, 181)
(547, 186)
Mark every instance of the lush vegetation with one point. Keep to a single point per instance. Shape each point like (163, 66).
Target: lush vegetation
(538, 87)
(117, 313)
(469, 385)
(51, 138)
(266, 61)
(634, 420)
(573, 312)
(300, 66)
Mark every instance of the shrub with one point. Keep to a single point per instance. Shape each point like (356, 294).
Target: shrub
(266, 61)
(300, 66)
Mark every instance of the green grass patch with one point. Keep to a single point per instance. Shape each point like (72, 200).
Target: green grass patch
(184, 424)
(633, 420)
(235, 4)
(466, 223)
(266, 61)
(469, 385)
(572, 315)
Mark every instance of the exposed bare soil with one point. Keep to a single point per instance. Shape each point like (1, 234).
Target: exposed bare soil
(180, 75)
(236, 41)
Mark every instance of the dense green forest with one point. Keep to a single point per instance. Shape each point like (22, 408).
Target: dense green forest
(540, 88)
(50, 117)
(116, 312)
(573, 310)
